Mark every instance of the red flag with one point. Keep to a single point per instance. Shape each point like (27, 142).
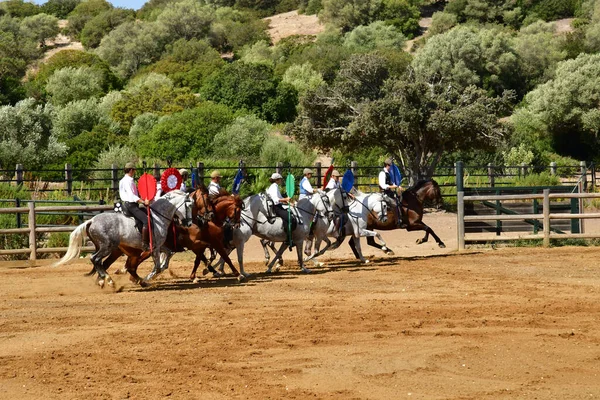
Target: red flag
(147, 187)
(327, 175)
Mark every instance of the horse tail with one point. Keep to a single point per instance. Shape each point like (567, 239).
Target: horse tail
(76, 241)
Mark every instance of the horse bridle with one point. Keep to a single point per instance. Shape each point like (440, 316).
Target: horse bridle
(207, 205)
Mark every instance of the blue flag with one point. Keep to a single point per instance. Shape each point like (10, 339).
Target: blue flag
(395, 174)
(194, 178)
(348, 180)
(237, 181)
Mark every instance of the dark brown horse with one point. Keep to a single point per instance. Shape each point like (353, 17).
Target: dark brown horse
(425, 191)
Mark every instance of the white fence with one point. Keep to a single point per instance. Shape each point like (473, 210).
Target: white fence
(545, 217)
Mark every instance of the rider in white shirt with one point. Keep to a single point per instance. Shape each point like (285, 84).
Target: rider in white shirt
(128, 193)
(278, 200)
(184, 176)
(306, 189)
(334, 181)
(214, 188)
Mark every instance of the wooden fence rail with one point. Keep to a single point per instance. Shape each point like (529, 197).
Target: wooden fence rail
(546, 217)
(32, 229)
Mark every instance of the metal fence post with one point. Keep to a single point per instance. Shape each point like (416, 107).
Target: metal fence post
(32, 241)
(200, 166)
(491, 177)
(157, 171)
(318, 173)
(279, 167)
(460, 184)
(524, 169)
(546, 211)
(19, 174)
(552, 168)
(354, 168)
(69, 178)
(115, 181)
(460, 212)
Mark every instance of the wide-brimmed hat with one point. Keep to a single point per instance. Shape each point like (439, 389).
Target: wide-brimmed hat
(307, 171)
(215, 174)
(183, 172)
(388, 161)
(130, 165)
(336, 173)
(275, 176)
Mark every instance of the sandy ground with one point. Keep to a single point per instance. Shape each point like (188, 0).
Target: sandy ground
(292, 23)
(486, 324)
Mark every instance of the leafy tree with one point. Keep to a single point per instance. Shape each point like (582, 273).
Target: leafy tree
(348, 14)
(59, 8)
(466, 56)
(234, 29)
(371, 37)
(415, 120)
(74, 59)
(26, 135)
(142, 125)
(403, 14)
(244, 138)
(40, 27)
(251, 87)
(303, 78)
(539, 52)
(442, 22)
(19, 8)
(277, 149)
(83, 13)
(160, 99)
(152, 9)
(564, 111)
(96, 28)
(116, 154)
(186, 19)
(186, 135)
(68, 84)
(76, 117)
(132, 45)
(85, 148)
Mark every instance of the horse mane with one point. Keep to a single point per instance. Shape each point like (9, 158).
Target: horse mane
(420, 183)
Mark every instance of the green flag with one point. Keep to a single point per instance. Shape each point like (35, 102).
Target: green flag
(290, 188)
(290, 185)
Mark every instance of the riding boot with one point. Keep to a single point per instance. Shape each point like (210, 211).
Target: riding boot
(145, 238)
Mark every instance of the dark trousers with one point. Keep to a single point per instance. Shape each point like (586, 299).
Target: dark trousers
(139, 214)
(283, 214)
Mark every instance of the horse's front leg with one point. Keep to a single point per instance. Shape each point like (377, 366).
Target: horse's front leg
(157, 267)
(199, 258)
(357, 250)
(428, 230)
(371, 242)
(277, 256)
(299, 246)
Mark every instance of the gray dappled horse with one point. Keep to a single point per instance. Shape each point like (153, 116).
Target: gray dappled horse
(255, 220)
(113, 232)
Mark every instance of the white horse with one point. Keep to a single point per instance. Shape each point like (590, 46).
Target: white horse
(114, 232)
(255, 220)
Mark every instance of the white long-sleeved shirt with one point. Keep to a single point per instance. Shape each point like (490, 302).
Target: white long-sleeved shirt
(128, 190)
(382, 184)
(333, 184)
(214, 188)
(274, 193)
(305, 186)
(158, 191)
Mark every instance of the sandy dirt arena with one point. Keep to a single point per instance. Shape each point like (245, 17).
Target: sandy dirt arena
(487, 324)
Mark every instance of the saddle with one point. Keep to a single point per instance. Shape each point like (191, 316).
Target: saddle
(119, 209)
(271, 216)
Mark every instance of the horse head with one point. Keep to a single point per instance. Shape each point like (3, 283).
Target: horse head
(322, 204)
(183, 206)
(429, 191)
(229, 208)
(204, 207)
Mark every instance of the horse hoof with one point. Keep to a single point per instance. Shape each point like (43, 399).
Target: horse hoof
(111, 283)
(419, 241)
(241, 278)
(390, 252)
(277, 267)
(143, 283)
(442, 246)
(205, 271)
(101, 283)
(306, 270)
(195, 280)
(366, 262)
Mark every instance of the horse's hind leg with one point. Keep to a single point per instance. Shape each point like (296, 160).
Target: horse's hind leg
(428, 231)
(103, 276)
(383, 247)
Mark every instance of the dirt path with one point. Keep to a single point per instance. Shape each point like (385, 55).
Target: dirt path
(292, 23)
(512, 323)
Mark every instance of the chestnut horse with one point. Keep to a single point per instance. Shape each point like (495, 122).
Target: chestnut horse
(412, 212)
(201, 235)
